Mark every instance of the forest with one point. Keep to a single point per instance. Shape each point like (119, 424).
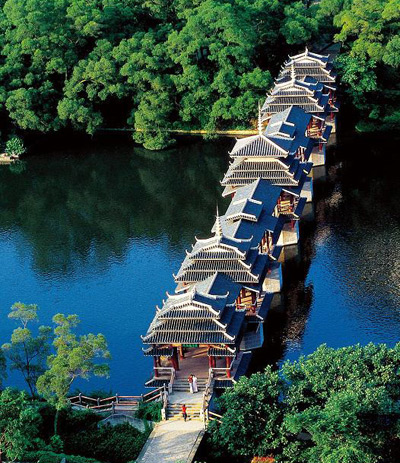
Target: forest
(157, 65)
(335, 405)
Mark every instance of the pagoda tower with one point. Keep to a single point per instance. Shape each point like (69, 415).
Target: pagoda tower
(309, 94)
(206, 319)
(280, 153)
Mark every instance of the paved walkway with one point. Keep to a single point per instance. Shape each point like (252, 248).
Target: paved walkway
(172, 442)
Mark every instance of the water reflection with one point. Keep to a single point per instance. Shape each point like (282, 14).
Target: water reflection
(99, 230)
(343, 285)
(81, 209)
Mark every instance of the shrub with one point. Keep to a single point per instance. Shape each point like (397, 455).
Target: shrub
(150, 411)
(118, 444)
(15, 147)
(43, 456)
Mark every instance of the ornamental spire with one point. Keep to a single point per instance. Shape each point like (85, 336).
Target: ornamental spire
(293, 72)
(218, 225)
(260, 124)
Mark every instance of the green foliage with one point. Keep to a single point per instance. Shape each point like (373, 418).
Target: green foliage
(118, 444)
(253, 416)
(27, 353)
(3, 368)
(17, 167)
(75, 357)
(150, 411)
(369, 62)
(46, 456)
(19, 422)
(301, 23)
(15, 147)
(334, 405)
(151, 65)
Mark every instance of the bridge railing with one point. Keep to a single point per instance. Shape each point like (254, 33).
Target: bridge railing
(115, 402)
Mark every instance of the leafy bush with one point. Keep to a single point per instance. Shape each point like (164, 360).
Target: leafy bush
(118, 444)
(43, 456)
(15, 147)
(150, 411)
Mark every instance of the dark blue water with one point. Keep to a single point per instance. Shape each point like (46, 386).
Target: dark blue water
(97, 229)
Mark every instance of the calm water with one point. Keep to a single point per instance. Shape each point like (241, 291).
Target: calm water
(99, 230)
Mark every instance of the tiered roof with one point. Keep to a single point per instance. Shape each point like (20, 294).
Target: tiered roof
(205, 315)
(234, 257)
(309, 64)
(272, 154)
(291, 91)
(251, 213)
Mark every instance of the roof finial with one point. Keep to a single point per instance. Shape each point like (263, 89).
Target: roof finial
(260, 124)
(293, 73)
(306, 50)
(218, 225)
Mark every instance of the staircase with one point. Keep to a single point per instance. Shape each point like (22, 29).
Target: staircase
(182, 385)
(174, 411)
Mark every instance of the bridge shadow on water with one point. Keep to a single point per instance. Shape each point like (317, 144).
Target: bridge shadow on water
(341, 281)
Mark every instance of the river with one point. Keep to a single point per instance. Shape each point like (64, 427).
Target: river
(98, 229)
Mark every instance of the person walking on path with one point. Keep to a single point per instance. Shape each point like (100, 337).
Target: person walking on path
(190, 380)
(195, 388)
(184, 412)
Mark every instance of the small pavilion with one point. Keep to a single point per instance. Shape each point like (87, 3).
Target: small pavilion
(309, 94)
(206, 320)
(310, 64)
(279, 154)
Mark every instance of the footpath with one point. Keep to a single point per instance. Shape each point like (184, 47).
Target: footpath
(172, 441)
(176, 440)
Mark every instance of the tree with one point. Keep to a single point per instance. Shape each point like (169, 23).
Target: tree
(15, 147)
(253, 416)
(19, 424)
(369, 61)
(3, 368)
(334, 405)
(27, 353)
(300, 24)
(75, 357)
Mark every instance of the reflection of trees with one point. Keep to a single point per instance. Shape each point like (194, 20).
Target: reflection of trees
(367, 229)
(80, 208)
(357, 217)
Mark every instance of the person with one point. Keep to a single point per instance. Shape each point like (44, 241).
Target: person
(195, 388)
(184, 412)
(190, 380)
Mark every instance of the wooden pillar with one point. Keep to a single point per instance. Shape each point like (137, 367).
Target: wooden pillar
(155, 362)
(228, 361)
(175, 360)
(181, 354)
(210, 361)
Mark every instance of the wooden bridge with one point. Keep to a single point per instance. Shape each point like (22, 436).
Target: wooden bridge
(117, 404)
(213, 322)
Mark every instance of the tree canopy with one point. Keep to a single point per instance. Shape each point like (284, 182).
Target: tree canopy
(27, 353)
(75, 357)
(369, 31)
(202, 64)
(19, 423)
(148, 65)
(334, 405)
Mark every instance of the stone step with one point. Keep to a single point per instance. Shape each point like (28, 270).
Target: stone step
(178, 407)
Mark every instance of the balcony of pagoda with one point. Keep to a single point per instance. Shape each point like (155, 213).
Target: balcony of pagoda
(287, 206)
(268, 244)
(315, 128)
(248, 301)
(199, 360)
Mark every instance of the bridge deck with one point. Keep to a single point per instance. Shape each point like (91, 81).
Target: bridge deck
(171, 442)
